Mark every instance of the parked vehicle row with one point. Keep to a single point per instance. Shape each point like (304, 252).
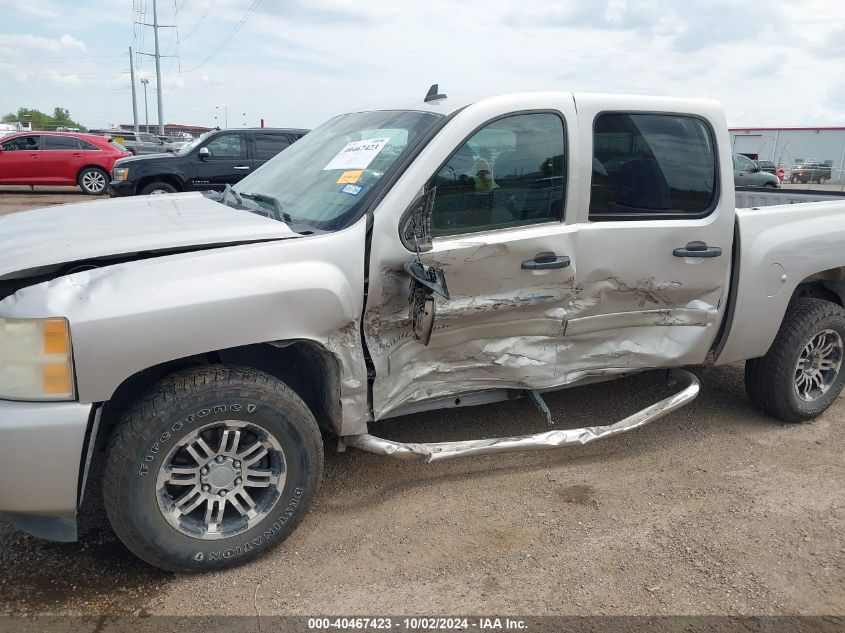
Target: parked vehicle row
(390, 262)
(212, 161)
(58, 158)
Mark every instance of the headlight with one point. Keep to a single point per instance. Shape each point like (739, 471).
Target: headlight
(120, 173)
(35, 360)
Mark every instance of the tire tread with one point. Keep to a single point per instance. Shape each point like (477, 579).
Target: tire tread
(761, 373)
(135, 423)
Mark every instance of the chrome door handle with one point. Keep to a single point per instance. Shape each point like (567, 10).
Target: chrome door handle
(241, 167)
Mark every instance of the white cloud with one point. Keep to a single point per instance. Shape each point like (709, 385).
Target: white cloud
(42, 10)
(299, 62)
(24, 45)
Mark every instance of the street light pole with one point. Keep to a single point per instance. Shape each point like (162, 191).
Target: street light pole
(225, 115)
(146, 109)
(134, 102)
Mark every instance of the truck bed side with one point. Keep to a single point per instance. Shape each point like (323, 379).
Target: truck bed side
(780, 247)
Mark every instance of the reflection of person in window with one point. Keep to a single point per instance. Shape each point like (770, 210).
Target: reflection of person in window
(483, 177)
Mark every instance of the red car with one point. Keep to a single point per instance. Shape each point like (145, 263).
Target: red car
(58, 158)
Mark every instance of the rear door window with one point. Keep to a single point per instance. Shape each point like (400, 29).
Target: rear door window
(649, 166)
(268, 145)
(61, 142)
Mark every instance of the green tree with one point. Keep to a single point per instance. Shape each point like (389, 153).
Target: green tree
(42, 121)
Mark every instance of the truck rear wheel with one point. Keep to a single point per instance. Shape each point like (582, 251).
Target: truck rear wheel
(804, 370)
(211, 468)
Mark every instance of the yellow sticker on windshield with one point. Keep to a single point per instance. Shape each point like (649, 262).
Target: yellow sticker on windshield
(349, 177)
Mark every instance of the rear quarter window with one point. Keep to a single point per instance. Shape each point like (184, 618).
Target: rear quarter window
(648, 166)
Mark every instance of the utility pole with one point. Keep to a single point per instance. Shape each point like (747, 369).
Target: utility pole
(156, 26)
(134, 102)
(145, 81)
(158, 71)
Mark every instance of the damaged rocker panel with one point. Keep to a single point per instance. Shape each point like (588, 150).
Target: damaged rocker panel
(439, 451)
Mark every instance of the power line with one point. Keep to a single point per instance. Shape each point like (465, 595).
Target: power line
(229, 37)
(202, 17)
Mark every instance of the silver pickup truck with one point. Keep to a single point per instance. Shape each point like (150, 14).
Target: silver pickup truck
(393, 261)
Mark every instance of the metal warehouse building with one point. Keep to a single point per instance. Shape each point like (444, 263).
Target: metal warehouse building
(788, 146)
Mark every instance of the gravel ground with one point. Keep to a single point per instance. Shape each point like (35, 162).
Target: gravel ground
(715, 509)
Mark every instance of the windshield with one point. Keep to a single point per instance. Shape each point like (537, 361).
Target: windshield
(187, 148)
(324, 178)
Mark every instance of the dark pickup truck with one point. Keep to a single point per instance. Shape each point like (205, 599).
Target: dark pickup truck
(810, 172)
(212, 161)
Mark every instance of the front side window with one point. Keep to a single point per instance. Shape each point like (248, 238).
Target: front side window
(268, 145)
(742, 163)
(227, 146)
(28, 143)
(61, 142)
(651, 165)
(509, 173)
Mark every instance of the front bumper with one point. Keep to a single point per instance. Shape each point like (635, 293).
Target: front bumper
(41, 450)
(120, 188)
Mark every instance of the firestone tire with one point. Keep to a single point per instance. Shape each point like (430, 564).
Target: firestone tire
(147, 449)
(774, 382)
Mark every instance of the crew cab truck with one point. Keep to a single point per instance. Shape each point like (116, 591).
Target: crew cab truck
(438, 255)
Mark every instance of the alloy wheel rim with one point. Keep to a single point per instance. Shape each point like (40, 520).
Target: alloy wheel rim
(818, 365)
(94, 181)
(221, 480)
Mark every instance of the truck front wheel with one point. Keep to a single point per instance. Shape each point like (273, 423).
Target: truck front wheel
(803, 371)
(211, 468)
(158, 188)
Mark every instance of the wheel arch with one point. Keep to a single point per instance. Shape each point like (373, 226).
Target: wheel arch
(828, 285)
(307, 367)
(170, 179)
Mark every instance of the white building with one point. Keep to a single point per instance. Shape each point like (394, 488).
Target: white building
(789, 146)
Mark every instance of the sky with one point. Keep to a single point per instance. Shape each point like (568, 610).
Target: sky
(296, 63)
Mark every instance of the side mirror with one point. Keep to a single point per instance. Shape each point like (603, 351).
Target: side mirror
(425, 281)
(415, 225)
(203, 153)
(755, 167)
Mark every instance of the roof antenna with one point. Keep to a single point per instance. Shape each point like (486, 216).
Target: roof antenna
(432, 94)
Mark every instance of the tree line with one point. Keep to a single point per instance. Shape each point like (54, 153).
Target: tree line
(42, 121)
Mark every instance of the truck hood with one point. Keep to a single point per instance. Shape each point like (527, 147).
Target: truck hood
(126, 161)
(34, 241)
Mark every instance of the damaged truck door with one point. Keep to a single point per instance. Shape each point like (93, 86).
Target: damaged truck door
(551, 282)
(501, 243)
(654, 239)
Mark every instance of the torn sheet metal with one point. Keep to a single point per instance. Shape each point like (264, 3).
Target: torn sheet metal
(439, 451)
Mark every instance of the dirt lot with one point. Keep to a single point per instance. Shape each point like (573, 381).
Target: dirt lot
(715, 509)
